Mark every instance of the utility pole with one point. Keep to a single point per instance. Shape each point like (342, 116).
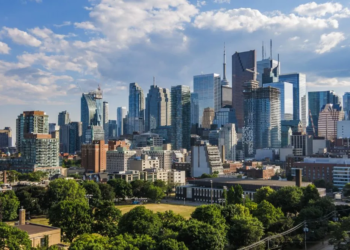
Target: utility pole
(305, 231)
(211, 192)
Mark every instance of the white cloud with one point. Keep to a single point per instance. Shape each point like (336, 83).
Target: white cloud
(314, 9)
(21, 37)
(85, 25)
(4, 48)
(329, 41)
(294, 38)
(66, 23)
(222, 1)
(329, 82)
(252, 20)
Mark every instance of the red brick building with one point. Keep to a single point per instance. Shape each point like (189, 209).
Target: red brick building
(93, 156)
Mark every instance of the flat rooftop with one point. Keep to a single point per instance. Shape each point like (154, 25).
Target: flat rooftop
(35, 228)
(235, 181)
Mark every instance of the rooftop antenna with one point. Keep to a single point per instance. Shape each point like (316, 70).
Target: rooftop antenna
(154, 81)
(271, 49)
(262, 51)
(224, 64)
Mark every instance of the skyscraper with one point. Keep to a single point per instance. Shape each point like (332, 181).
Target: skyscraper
(180, 117)
(223, 91)
(327, 121)
(286, 97)
(205, 86)
(63, 118)
(346, 105)
(28, 122)
(112, 130)
(273, 66)
(91, 110)
(158, 108)
(317, 100)
(262, 118)
(299, 96)
(75, 134)
(243, 70)
(194, 109)
(106, 121)
(6, 137)
(208, 117)
(228, 139)
(136, 107)
(121, 114)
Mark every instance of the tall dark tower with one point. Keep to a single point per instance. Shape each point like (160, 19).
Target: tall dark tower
(243, 70)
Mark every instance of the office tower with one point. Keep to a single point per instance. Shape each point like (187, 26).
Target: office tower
(228, 141)
(158, 107)
(223, 116)
(147, 140)
(6, 137)
(268, 63)
(243, 70)
(194, 109)
(204, 86)
(286, 97)
(93, 156)
(40, 151)
(226, 96)
(121, 114)
(94, 133)
(106, 121)
(327, 121)
(63, 118)
(288, 127)
(317, 100)
(208, 117)
(136, 107)
(299, 96)
(36, 122)
(223, 91)
(75, 134)
(91, 110)
(214, 137)
(112, 130)
(302, 144)
(346, 105)
(262, 118)
(53, 127)
(180, 117)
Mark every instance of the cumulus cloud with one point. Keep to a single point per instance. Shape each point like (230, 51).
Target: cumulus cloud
(329, 41)
(314, 9)
(252, 20)
(222, 1)
(20, 37)
(4, 48)
(66, 23)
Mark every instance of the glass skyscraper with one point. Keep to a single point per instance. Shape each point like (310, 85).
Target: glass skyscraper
(205, 86)
(286, 97)
(136, 106)
(194, 109)
(121, 114)
(317, 99)
(180, 117)
(346, 105)
(299, 96)
(264, 64)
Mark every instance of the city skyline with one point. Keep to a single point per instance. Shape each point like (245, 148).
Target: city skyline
(38, 67)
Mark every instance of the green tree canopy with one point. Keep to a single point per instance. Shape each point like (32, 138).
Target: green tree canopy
(268, 214)
(13, 238)
(172, 221)
(230, 196)
(161, 184)
(156, 193)
(93, 189)
(198, 235)
(140, 221)
(140, 188)
(72, 216)
(90, 242)
(325, 204)
(310, 193)
(106, 218)
(142, 242)
(289, 199)
(263, 194)
(122, 189)
(233, 211)
(346, 190)
(107, 192)
(9, 205)
(238, 194)
(171, 244)
(33, 199)
(210, 214)
(338, 236)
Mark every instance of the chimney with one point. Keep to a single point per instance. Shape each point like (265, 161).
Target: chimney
(298, 177)
(223, 153)
(22, 216)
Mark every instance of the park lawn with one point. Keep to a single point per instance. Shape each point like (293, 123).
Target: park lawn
(185, 211)
(41, 221)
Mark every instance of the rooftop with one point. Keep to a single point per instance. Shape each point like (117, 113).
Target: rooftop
(31, 228)
(259, 182)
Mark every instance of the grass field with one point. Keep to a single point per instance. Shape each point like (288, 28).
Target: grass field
(185, 211)
(41, 221)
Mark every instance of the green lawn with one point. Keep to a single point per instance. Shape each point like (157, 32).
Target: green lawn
(185, 211)
(41, 221)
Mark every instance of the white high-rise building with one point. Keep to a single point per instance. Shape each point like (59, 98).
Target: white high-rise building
(121, 114)
(228, 139)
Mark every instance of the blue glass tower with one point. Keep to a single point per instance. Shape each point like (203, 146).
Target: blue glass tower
(194, 109)
(346, 105)
(136, 107)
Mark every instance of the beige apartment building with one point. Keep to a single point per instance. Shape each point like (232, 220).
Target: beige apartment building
(144, 162)
(120, 159)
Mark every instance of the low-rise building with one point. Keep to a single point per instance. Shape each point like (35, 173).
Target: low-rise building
(164, 156)
(231, 167)
(206, 159)
(183, 166)
(120, 159)
(144, 162)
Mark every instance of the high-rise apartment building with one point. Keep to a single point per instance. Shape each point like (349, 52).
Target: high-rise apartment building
(206, 87)
(181, 117)
(266, 64)
(327, 121)
(36, 122)
(299, 96)
(91, 110)
(208, 117)
(286, 97)
(262, 118)
(346, 105)
(71, 137)
(6, 137)
(228, 141)
(136, 107)
(158, 108)
(106, 121)
(194, 109)
(93, 156)
(317, 99)
(121, 114)
(243, 70)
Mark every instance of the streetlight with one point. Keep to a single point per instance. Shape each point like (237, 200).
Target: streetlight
(88, 196)
(211, 192)
(305, 231)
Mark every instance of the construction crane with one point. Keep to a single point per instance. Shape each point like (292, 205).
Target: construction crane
(312, 122)
(252, 71)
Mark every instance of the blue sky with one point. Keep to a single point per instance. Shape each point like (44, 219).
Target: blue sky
(52, 51)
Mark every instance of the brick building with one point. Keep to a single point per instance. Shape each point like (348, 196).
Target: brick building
(231, 167)
(93, 156)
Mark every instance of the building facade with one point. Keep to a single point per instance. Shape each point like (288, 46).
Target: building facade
(223, 116)
(164, 156)
(228, 141)
(346, 105)
(343, 129)
(327, 121)
(194, 109)
(121, 114)
(112, 130)
(6, 137)
(136, 107)
(106, 120)
(208, 117)
(266, 64)
(93, 156)
(120, 159)
(205, 160)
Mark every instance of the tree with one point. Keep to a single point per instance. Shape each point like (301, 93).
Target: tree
(155, 193)
(245, 231)
(122, 189)
(310, 193)
(161, 184)
(140, 221)
(61, 189)
(13, 238)
(289, 199)
(231, 196)
(90, 242)
(142, 242)
(210, 214)
(107, 192)
(93, 189)
(72, 216)
(33, 199)
(171, 221)
(325, 204)
(106, 217)
(346, 190)
(9, 205)
(339, 236)
(171, 244)
(140, 188)
(12, 175)
(198, 235)
(263, 194)
(233, 211)
(238, 194)
(268, 214)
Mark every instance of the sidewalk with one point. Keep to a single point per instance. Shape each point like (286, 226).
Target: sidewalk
(319, 246)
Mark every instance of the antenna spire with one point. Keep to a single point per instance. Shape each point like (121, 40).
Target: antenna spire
(224, 66)
(262, 51)
(271, 49)
(154, 81)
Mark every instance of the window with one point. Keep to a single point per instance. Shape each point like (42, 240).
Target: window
(43, 242)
